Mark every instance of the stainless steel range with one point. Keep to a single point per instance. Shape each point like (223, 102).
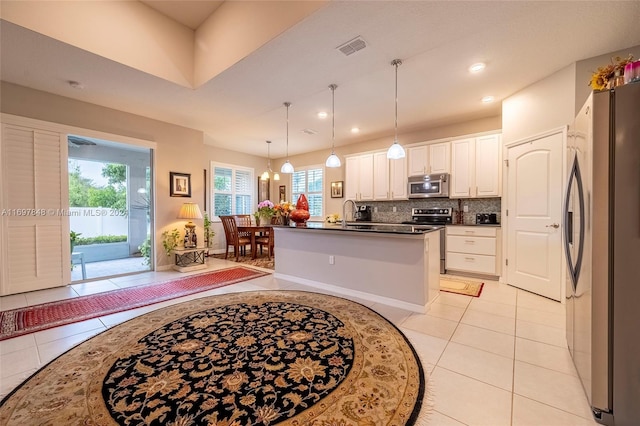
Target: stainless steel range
(433, 218)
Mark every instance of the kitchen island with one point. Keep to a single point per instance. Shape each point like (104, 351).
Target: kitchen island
(396, 265)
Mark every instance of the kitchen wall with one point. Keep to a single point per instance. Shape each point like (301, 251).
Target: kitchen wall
(179, 149)
(554, 101)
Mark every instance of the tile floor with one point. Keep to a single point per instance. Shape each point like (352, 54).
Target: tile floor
(500, 359)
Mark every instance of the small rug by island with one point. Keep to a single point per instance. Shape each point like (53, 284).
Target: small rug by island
(249, 358)
(260, 261)
(458, 286)
(16, 322)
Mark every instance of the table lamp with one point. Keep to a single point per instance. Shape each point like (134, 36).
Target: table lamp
(190, 211)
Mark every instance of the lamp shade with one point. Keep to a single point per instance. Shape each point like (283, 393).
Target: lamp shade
(287, 167)
(395, 151)
(333, 161)
(190, 211)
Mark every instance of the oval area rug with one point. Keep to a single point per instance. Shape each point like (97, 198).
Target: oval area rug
(262, 358)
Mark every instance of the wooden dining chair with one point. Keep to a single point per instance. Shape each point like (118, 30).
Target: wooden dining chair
(267, 240)
(233, 237)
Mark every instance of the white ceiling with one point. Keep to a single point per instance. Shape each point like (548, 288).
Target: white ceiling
(521, 42)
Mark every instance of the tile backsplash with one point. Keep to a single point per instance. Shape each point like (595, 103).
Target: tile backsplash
(386, 214)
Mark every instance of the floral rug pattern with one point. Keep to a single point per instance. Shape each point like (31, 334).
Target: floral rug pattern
(260, 261)
(261, 358)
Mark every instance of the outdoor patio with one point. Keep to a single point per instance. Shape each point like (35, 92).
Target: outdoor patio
(107, 268)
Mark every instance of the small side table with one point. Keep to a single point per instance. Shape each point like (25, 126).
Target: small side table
(189, 259)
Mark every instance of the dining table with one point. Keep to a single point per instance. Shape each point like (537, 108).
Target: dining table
(253, 230)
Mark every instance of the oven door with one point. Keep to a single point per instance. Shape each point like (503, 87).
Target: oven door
(426, 186)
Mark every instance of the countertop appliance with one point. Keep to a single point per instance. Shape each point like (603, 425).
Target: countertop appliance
(433, 217)
(602, 248)
(362, 214)
(486, 219)
(426, 186)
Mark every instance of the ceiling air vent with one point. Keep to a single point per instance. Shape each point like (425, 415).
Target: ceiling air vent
(352, 46)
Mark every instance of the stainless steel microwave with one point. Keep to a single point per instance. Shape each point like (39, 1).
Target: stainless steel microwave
(425, 186)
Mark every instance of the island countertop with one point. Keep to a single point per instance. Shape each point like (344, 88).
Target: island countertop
(378, 228)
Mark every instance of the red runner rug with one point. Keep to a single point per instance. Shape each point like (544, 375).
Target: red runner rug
(16, 322)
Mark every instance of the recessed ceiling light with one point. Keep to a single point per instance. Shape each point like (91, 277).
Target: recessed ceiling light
(322, 115)
(487, 99)
(477, 67)
(355, 130)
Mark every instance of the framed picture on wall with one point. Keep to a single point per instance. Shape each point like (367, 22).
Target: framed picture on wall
(263, 189)
(336, 189)
(282, 194)
(179, 184)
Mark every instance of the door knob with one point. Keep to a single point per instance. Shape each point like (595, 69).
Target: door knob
(555, 225)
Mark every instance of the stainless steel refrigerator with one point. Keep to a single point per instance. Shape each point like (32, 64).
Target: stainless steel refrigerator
(602, 246)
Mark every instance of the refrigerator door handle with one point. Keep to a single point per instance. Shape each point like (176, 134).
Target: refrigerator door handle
(574, 269)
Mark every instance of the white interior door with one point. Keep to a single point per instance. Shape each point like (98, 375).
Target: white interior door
(534, 206)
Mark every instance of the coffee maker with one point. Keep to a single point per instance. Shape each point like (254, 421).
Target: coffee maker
(363, 214)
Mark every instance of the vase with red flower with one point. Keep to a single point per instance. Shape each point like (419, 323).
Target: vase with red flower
(301, 214)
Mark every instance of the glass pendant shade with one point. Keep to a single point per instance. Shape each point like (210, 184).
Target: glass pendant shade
(396, 151)
(267, 172)
(333, 160)
(287, 167)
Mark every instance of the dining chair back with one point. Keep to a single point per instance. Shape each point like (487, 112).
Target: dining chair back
(233, 237)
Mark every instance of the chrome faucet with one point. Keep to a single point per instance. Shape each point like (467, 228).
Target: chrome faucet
(344, 214)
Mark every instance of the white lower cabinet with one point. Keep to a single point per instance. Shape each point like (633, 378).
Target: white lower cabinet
(474, 249)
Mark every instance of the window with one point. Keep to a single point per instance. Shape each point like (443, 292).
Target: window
(309, 182)
(232, 189)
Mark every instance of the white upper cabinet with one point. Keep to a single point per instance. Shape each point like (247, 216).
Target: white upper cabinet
(488, 166)
(359, 177)
(476, 167)
(462, 168)
(418, 163)
(374, 177)
(428, 159)
(380, 176)
(440, 158)
(398, 178)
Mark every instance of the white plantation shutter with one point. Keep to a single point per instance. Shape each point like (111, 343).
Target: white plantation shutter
(232, 190)
(35, 232)
(244, 192)
(309, 181)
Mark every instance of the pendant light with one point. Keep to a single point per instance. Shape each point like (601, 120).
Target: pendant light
(266, 173)
(333, 160)
(396, 151)
(287, 167)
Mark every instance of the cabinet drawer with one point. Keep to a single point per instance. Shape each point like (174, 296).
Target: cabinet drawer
(471, 245)
(474, 231)
(472, 263)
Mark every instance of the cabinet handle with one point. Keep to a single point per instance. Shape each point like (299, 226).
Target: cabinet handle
(469, 192)
(555, 225)
(469, 259)
(476, 190)
(470, 232)
(469, 241)
(387, 194)
(391, 194)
